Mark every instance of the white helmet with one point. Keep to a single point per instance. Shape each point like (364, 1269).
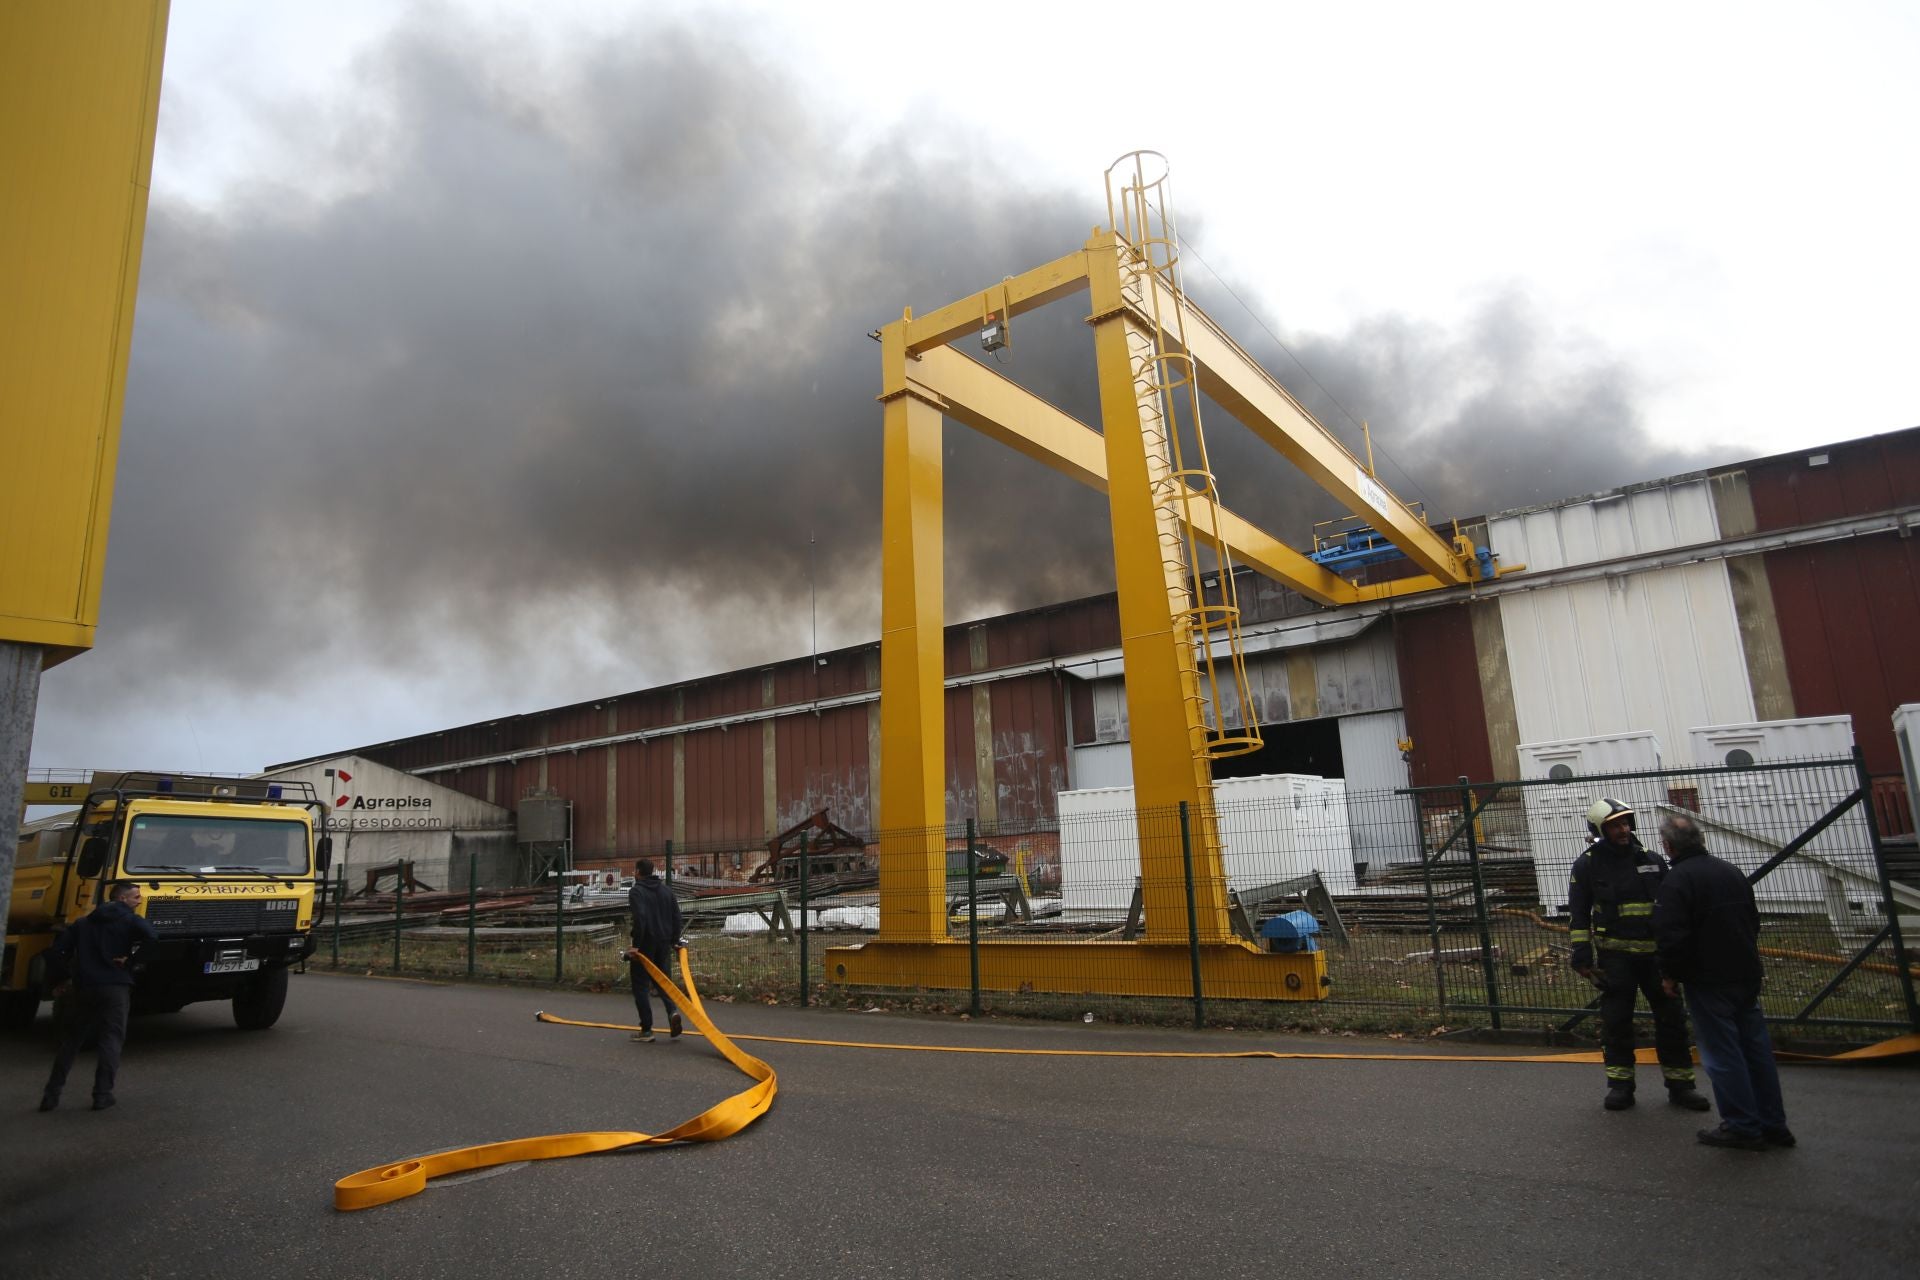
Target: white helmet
(1605, 810)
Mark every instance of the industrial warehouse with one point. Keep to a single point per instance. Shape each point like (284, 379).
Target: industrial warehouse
(1785, 588)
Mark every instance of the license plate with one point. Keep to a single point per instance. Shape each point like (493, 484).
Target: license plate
(232, 966)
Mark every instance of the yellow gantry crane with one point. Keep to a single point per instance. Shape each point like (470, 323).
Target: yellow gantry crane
(1156, 353)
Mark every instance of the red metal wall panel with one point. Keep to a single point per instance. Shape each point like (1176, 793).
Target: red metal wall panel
(724, 786)
(647, 710)
(1859, 478)
(963, 791)
(644, 801)
(525, 780)
(581, 777)
(723, 695)
(1440, 689)
(957, 650)
(1849, 617)
(834, 675)
(821, 763)
(1029, 748)
(1080, 698)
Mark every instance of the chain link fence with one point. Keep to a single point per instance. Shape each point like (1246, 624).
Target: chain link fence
(1433, 908)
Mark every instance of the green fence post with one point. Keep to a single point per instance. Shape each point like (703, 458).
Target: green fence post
(399, 900)
(559, 926)
(1433, 915)
(973, 920)
(473, 897)
(806, 988)
(339, 902)
(1892, 908)
(1193, 919)
(1480, 904)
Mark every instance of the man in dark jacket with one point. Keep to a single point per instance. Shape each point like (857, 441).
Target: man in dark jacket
(1708, 930)
(657, 924)
(94, 953)
(1610, 899)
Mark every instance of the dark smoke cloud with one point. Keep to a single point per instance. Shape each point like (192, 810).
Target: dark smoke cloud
(1504, 411)
(549, 404)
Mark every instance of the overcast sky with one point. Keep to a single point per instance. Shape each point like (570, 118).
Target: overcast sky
(492, 356)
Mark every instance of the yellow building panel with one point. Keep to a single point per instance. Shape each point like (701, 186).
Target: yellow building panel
(79, 101)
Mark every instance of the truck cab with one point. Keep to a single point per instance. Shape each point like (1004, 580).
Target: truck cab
(228, 868)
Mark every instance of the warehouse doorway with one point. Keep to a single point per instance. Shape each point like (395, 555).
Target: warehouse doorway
(1299, 746)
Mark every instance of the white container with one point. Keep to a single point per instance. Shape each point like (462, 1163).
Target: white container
(1747, 816)
(1273, 827)
(1557, 815)
(1906, 735)
(1808, 738)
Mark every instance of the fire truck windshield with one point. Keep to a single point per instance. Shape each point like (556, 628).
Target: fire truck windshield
(165, 842)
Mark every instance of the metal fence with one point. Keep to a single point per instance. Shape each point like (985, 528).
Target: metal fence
(1433, 907)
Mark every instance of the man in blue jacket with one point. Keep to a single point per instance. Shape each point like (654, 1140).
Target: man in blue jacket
(95, 953)
(657, 924)
(1708, 930)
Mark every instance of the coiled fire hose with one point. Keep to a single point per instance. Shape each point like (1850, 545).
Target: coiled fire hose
(386, 1183)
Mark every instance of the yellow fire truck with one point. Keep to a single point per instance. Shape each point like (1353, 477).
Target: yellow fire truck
(228, 868)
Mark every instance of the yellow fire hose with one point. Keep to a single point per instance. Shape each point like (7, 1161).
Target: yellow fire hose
(390, 1182)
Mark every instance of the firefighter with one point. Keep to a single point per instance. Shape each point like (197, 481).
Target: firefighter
(1611, 900)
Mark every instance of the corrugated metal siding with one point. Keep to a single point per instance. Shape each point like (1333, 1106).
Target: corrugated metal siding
(1861, 477)
(1266, 691)
(725, 695)
(1357, 675)
(839, 673)
(576, 723)
(1348, 677)
(1029, 749)
(724, 786)
(647, 710)
(821, 763)
(1657, 650)
(1445, 714)
(645, 810)
(581, 776)
(1651, 519)
(1262, 600)
(963, 790)
(1109, 711)
(1850, 624)
(1080, 707)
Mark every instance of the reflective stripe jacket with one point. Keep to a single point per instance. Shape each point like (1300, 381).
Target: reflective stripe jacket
(1611, 900)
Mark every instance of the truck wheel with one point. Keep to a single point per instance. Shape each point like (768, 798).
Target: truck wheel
(257, 1005)
(18, 1009)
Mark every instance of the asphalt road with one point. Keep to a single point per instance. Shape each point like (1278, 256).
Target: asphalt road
(220, 1159)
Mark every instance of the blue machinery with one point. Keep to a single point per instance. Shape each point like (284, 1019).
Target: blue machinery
(1361, 546)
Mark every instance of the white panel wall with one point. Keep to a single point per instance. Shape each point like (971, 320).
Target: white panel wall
(1658, 650)
(1606, 528)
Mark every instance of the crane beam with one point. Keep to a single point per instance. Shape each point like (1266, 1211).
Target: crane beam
(1234, 381)
(1003, 411)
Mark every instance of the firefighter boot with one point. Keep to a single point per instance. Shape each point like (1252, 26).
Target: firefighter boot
(1688, 1097)
(1619, 1096)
